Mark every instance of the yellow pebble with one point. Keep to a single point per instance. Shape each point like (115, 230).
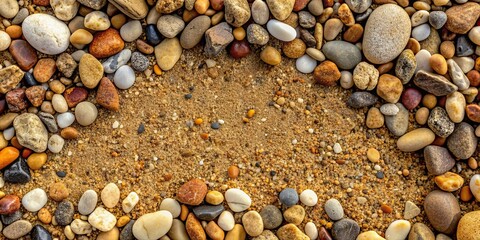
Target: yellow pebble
(122, 221)
(239, 33)
(157, 70)
(373, 155)
(36, 160)
(214, 197)
(201, 6)
(198, 121)
(251, 113)
(2, 194)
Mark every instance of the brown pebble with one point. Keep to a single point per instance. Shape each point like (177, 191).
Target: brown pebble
(386, 209)
(233, 172)
(9, 204)
(413, 45)
(353, 34)
(327, 73)
(118, 20)
(429, 101)
(474, 78)
(58, 191)
(44, 70)
(106, 43)
(107, 95)
(144, 47)
(36, 95)
(23, 54)
(447, 49)
(438, 64)
(14, 31)
(192, 192)
(184, 213)
(69, 133)
(294, 49)
(384, 68)
(472, 163)
(75, 95)
(194, 228)
(44, 216)
(465, 194)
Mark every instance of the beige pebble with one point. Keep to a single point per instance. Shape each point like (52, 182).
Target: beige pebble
(421, 116)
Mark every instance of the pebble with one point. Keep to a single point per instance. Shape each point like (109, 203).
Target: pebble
(208, 212)
(23, 54)
(8, 155)
(437, 19)
(170, 26)
(90, 71)
(281, 31)
(260, 12)
(290, 231)
(346, 79)
(194, 228)
(462, 142)
(332, 28)
(135, 10)
(152, 34)
(65, 10)
(87, 202)
(311, 230)
(461, 18)
(389, 88)
(421, 32)
(365, 76)
(192, 192)
(64, 213)
(449, 181)
(439, 64)
(9, 9)
(369, 235)
(252, 223)
(58, 191)
(473, 35)
(334, 209)
(107, 95)
(116, 61)
(288, 197)
(172, 206)
(31, 132)
(389, 109)
(97, 21)
(345, 229)
(40, 233)
(168, 53)
(9, 204)
(327, 73)
(419, 18)
(129, 202)
(272, 56)
(104, 221)
(272, 217)
(294, 214)
(139, 62)
(237, 200)
(131, 31)
(442, 210)
(361, 99)
(237, 12)
(36, 27)
(194, 31)
(439, 122)
(386, 33)
(127, 231)
(457, 76)
(17, 229)
(358, 6)
(65, 119)
(464, 47)
(5, 41)
(421, 231)
(217, 38)
(256, 34)
(423, 61)
(178, 231)
(124, 77)
(411, 210)
(438, 160)
(475, 186)
(34, 200)
(468, 226)
(17, 172)
(398, 230)
(20, 16)
(226, 221)
(36, 160)
(86, 113)
(308, 198)
(110, 195)
(81, 227)
(434, 83)
(106, 43)
(415, 140)
(345, 55)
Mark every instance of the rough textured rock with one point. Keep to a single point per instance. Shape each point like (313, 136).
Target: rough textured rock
(9, 78)
(31, 132)
(137, 9)
(434, 83)
(217, 38)
(237, 12)
(461, 18)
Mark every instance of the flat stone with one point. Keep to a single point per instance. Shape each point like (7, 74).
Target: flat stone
(434, 83)
(65, 10)
(49, 121)
(344, 54)
(272, 217)
(415, 140)
(90, 70)
(107, 95)
(34, 200)
(167, 53)
(411, 210)
(194, 32)
(346, 229)
(208, 212)
(134, 9)
(461, 18)
(170, 25)
(421, 231)
(23, 54)
(87, 202)
(438, 160)
(217, 38)
(398, 230)
(17, 229)
(110, 195)
(127, 231)
(442, 210)
(361, 99)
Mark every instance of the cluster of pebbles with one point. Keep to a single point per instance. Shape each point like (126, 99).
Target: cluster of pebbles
(71, 57)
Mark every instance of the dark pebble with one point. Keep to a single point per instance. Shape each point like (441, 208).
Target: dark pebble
(3, 105)
(152, 34)
(288, 197)
(29, 80)
(64, 213)
(61, 174)
(462, 143)
(49, 121)
(141, 128)
(380, 175)
(411, 97)
(126, 233)
(323, 234)
(208, 212)
(440, 123)
(345, 229)
(188, 96)
(139, 62)
(8, 219)
(215, 125)
(272, 217)
(239, 49)
(40, 233)
(361, 99)
(464, 47)
(17, 172)
(273, 173)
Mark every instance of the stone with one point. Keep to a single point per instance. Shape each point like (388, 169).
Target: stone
(46, 33)
(130, 202)
(361, 99)
(415, 140)
(333, 27)
(345, 229)
(17, 229)
(95, 4)
(35, 95)
(86, 113)
(152, 34)
(389, 88)
(449, 182)
(473, 112)
(75, 95)
(389, 109)
(386, 33)
(40, 233)
(172, 206)
(369, 235)
(6, 120)
(434, 83)
(315, 7)
(419, 17)
(438, 160)
(237, 12)
(442, 210)
(227, 222)
(131, 31)
(87, 202)
(116, 61)
(133, 9)
(437, 19)
(59, 103)
(16, 100)
(288, 197)
(334, 209)
(474, 185)
(468, 226)
(194, 32)
(107, 95)
(170, 25)
(110, 195)
(9, 78)
(124, 77)
(306, 64)
(256, 34)
(365, 76)
(327, 73)
(97, 21)
(290, 231)
(168, 6)
(252, 222)
(192, 192)
(23, 54)
(421, 32)
(44, 69)
(462, 143)
(281, 9)
(103, 220)
(17, 172)
(398, 230)
(64, 213)
(66, 64)
(464, 47)
(168, 53)
(411, 210)
(358, 6)
(8, 155)
(65, 10)
(81, 227)
(440, 123)
(237, 200)
(139, 62)
(106, 43)
(194, 228)
(461, 18)
(345, 55)
(208, 212)
(432, 42)
(178, 231)
(34, 200)
(308, 198)
(260, 12)
(272, 217)
(281, 31)
(217, 38)
(421, 231)
(457, 76)
(9, 9)
(90, 70)
(9, 204)
(294, 214)
(31, 132)
(374, 119)
(127, 231)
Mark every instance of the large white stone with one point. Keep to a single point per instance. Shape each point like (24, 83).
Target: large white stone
(152, 226)
(34, 200)
(46, 33)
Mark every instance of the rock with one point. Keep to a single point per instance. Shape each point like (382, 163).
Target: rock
(439, 122)
(133, 9)
(129, 202)
(294, 214)
(139, 62)
(432, 42)
(260, 12)
(116, 61)
(172, 206)
(345, 229)
(271, 56)
(272, 217)
(253, 224)
(44, 69)
(281, 9)
(256, 34)
(46, 33)
(421, 32)
(236, 233)
(227, 222)
(64, 213)
(40, 233)
(473, 112)
(386, 33)
(127, 231)
(374, 119)
(58, 191)
(194, 31)
(194, 228)
(468, 226)
(75, 95)
(6, 120)
(168, 53)
(406, 65)
(419, 17)
(8, 155)
(365, 76)
(237, 12)
(294, 49)
(17, 229)
(81, 227)
(178, 231)
(65, 10)
(9, 204)
(288, 197)
(152, 34)
(389, 88)
(66, 64)
(434, 83)
(217, 38)
(168, 6)
(9, 9)
(369, 235)
(333, 27)
(411, 210)
(110, 195)
(103, 220)
(131, 31)
(398, 230)
(421, 231)
(170, 25)
(9, 78)
(457, 76)
(438, 160)
(449, 182)
(87, 202)
(442, 210)
(437, 19)
(461, 18)
(361, 99)
(90, 70)
(358, 6)
(31, 132)
(17, 172)
(334, 209)
(316, 7)
(309, 198)
(345, 55)
(95, 4)
(107, 95)
(290, 231)
(16, 100)
(237, 200)
(106, 43)
(281, 31)
(326, 73)
(475, 186)
(415, 140)
(23, 54)
(208, 212)
(124, 77)
(34, 200)
(306, 64)
(86, 113)
(464, 47)
(311, 230)
(192, 192)
(462, 143)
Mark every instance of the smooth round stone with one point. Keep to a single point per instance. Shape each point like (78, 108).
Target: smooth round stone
(311, 230)
(288, 197)
(361, 99)
(64, 213)
(469, 226)
(253, 224)
(370, 235)
(386, 33)
(358, 6)
(345, 229)
(272, 217)
(152, 35)
(194, 31)
(334, 209)
(34, 200)
(9, 8)
(398, 230)
(116, 61)
(17, 229)
(226, 221)
(473, 35)
(9, 133)
(124, 77)
(462, 143)
(171, 205)
(131, 31)
(178, 230)
(281, 31)
(315, 54)
(442, 210)
(21, 15)
(77, 55)
(55, 143)
(97, 21)
(346, 80)
(421, 32)
(86, 113)
(419, 17)
(81, 227)
(65, 119)
(260, 12)
(306, 64)
(152, 225)
(102, 219)
(110, 195)
(5, 40)
(344, 54)
(389, 109)
(59, 103)
(65, 10)
(46, 33)
(208, 212)
(415, 140)
(423, 61)
(475, 186)
(87, 202)
(308, 198)
(167, 53)
(465, 63)
(170, 25)
(237, 200)
(437, 19)
(455, 106)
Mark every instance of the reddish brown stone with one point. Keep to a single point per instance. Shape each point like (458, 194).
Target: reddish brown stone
(144, 47)
(75, 95)
(473, 112)
(35, 95)
(327, 73)
(474, 78)
(16, 100)
(23, 54)
(106, 43)
(192, 192)
(323, 234)
(411, 97)
(9, 204)
(300, 4)
(107, 95)
(44, 70)
(41, 2)
(217, 5)
(194, 228)
(3, 106)
(239, 49)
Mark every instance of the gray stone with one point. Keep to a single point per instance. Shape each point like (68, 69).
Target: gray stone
(95, 4)
(462, 143)
(272, 217)
(288, 197)
(308, 38)
(389, 109)
(398, 124)
(306, 19)
(440, 123)
(64, 213)
(438, 160)
(464, 47)
(139, 62)
(363, 16)
(8, 219)
(49, 121)
(437, 19)
(345, 229)
(87, 202)
(170, 25)
(361, 99)
(17, 229)
(256, 34)
(178, 231)
(194, 31)
(208, 212)
(334, 209)
(217, 39)
(358, 6)
(442, 210)
(433, 83)
(420, 231)
(127, 233)
(21, 15)
(457, 76)
(344, 54)
(260, 12)
(31, 132)
(116, 61)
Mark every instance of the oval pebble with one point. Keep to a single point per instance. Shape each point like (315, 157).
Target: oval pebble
(34, 200)
(59, 103)
(130, 201)
(86, 113)
(311, 230)
(130, 31)
(152, 225)
(102, 219)
(5, 40)
(55, 143)
(226, 221)
(281, 31)
(171, 205)
(237, 200)
(334, 209)
(46, 33)
(65, 119)
(288, 197)
(116, 61)
(475, 186)
(110, 195)
(87, 202)
(309, 198)
(415, 140)
(421, 32)
(398, 230)
(306, 64)
(124, 77)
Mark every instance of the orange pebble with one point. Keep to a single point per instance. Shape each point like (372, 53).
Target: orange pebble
(15, 143)
(198, 121)
(184, 213)
(233, 172)
(7, 156)
(204, 136)
(26, 152)
(386, 209)
(157, 70)
(465, 194)
(14, 31)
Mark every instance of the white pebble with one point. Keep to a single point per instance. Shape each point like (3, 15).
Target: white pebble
(237, 200)
(398, 230)
(465, 63)
(311, 230)
(306, 64)
(226, 221)
(309, 198)
(172, 206)
(115, 125)
(65, 119)
(55, 143)
(421, 32)
(5, 41)
(130, 201)
(59, 103)
(124, 77)
(9, 133)
(281, 31)
(337, 148)
(102, 219)
(475, 186)
(34, 200)
(110, 195)
(389, 109)
(423, 61)
(346, 79)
